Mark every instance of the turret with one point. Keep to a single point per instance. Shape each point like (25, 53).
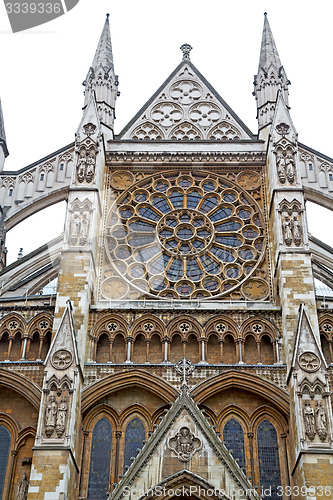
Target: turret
(102, 81)
(270, 79)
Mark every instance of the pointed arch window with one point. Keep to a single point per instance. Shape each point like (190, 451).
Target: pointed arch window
(233, 438)
(99, 470)
(268, 454)
(5, 440)
(134, 436)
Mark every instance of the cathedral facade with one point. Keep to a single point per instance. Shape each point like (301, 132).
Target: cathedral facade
(185, 351)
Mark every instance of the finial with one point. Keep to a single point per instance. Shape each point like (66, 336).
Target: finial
(265, 14)
(186, 49)
(107, 16)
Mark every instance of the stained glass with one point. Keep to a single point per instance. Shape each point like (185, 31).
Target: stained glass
(209, 204)
(221, 213)
(208, 186)
(233, 438)
(268, 454)
(99, 471)
(228, 226)
(230, 241)
(175, 270)
(193, 270)
(126, 213)
(148, 213)
(134, 436)
(161, 204)
(230, 197)
(176, 199)
(138, 241)
(139, 225)
(193, 199)
(139, 197)
(5, 440)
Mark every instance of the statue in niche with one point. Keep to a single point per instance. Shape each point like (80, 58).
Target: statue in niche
(50, 416)
(61, 417)
(281, 168)
(296, 231)
(290, 168)
(287, 233)
(22, 490)
(90, 167)
(81, 166)
(321, 421)
(75, 229)
(309, 420)
(84, 230)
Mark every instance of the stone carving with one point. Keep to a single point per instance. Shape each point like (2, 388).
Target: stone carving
(22, 490)
(147, 131)
(121, 179)
(224, 132)
(186, 91)
(309, 420)
(50, 416)
(297, 231)
(287, 233)
(309, 362)
(186, 132)
(255, 289)
(205, 113)
(185, 368)
(167, 114)
(89, 129)
(85, 168)
(61, 417)
(321, 421)
(184, 444)
(62, 359)
(292, 231)
(80, 223)
(285, 167)
(282, 129)
(186, 49)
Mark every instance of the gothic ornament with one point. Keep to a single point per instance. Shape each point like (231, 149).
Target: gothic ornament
(184, 444)
(22, 490)
(309, 362)
(321, 421)
(282, 129)
(89, 129)
(50, 416)
(186, 49)
(185, 368)
(62, 359)
(85, 168)
(309, 420)
(80, 223)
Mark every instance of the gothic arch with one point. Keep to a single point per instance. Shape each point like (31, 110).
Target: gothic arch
(132, 378)
(111, 325)
(184, 326)
(96, 413)
(221, 326)
(259, 327)
(135, 411)
(268, 413)
(236, 412)
(148, 326)
(23, 386)
(24, 434)
(6, 324)
(13, 427)
(34, 324)
(248, 382)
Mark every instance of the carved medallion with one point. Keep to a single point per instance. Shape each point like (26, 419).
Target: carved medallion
(121, 180)
(249, 180)
(89, 129)
(62, 359)
(184, 367)
(282, 129)
(114, 288)
(309, 362)
(184, 444)
(255, 289)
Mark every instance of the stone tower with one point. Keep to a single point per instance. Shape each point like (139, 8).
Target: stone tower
(184, 349)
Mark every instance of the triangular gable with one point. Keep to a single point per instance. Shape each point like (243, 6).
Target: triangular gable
(63, 342)
(282, 125)
(306, 344)
(186, 107)
(184, 440)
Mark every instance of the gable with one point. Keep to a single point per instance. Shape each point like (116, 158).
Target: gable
(186, 107)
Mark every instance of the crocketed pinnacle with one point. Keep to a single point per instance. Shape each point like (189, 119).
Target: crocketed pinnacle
(268, 52)
(103, 56)
(2, 133)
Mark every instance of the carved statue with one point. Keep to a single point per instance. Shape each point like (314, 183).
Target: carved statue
(61, 417)
(290, 168)
(184, 444)
(90, 167)
(81, 166)
(321, 421)
(50, 416)
(286, 226)
(84, 230)
(297, 231)
(309, 420)
(281, 168)
(75, 229)
(22, 490)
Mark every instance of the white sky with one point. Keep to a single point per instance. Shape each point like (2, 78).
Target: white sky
(42, 71)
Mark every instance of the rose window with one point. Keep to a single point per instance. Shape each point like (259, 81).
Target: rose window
(183, 236)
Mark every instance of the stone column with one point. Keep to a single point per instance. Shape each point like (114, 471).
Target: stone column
(166, 342)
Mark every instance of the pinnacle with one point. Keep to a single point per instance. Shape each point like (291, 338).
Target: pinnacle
(103, 56)
(268, 52)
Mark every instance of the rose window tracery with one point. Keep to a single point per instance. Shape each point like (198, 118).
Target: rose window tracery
(182, 236)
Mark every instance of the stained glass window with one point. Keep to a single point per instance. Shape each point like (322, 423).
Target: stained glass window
(268, 453)
(233, 438)
(5, 440)
(134, 436)
(99, 471)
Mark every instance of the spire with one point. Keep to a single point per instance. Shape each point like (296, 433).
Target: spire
(103, 56)
(3, 151)
(101, 79)
(270, 79)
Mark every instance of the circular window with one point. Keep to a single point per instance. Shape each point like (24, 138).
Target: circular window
(185, 236)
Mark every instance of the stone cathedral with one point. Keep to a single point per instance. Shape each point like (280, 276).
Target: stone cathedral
(184, 349)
